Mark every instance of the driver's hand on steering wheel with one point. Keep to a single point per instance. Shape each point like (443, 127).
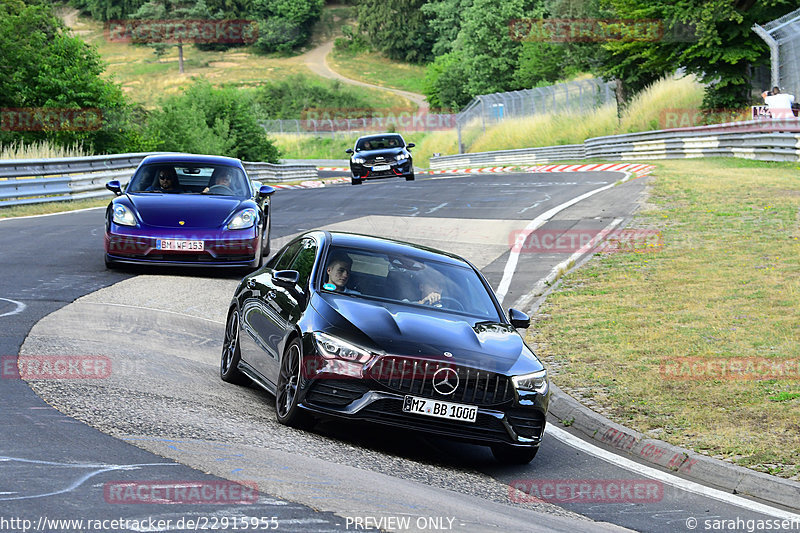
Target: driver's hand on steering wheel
(432, 298)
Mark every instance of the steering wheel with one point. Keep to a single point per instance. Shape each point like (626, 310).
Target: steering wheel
(449, 303)
(220, 189)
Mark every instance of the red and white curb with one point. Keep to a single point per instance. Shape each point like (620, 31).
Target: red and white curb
(335, 169)
(638, 169)
(313, 184)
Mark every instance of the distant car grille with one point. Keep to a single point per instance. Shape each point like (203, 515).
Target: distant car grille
(486, 427)
(373, 161)
(415, 376)
(335, 392)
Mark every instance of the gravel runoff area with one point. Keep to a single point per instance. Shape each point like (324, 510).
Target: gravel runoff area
(163, 335)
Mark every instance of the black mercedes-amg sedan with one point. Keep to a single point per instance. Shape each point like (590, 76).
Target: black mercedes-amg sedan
(363, 328)
(385, 155)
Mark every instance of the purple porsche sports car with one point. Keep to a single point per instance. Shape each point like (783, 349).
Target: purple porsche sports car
(183, 209)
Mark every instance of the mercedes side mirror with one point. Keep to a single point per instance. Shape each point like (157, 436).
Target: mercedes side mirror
(518, 319)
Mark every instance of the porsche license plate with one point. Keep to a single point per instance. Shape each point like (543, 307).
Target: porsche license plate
(440, 409)
(378, 168)
(169, 244)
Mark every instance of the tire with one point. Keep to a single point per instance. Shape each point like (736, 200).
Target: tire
(110, 265)
(231, 353)
(514, 455)
(286, 404)
(356, 181)
(410, 178)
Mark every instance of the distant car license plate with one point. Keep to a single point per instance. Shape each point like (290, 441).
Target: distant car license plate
(167, 244)
(378, 168)
(440, 409)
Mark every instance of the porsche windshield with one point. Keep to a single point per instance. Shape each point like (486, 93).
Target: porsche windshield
(409, 280)
(178, 178)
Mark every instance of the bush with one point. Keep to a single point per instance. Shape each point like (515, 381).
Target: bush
(295, 96)
(210, 120)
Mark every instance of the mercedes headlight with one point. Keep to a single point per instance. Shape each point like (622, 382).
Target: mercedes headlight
(244, 219)
(359, 160)
(401, 157)
(535, 381)
(331, 347)
(123, 216)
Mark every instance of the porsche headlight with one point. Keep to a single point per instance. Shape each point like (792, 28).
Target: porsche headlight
(123, 216)
(535, 381)
(331, 347)
(359, 160)
(244, 219)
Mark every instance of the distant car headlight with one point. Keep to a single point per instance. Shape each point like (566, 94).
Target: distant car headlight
(535, 381)
(359, 160)
(331, 347)
(123, 216)
(244, 219)
(401, 157)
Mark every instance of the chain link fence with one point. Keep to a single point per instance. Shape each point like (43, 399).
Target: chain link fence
(783, 37)
(576, 96)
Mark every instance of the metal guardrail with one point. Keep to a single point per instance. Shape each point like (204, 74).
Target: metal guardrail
(31, 181)
(765, 140)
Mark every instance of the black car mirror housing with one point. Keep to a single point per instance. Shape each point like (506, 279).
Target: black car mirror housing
(518, 319)
(349, 151)
(115, 187)
(410, 145)
(286, 278)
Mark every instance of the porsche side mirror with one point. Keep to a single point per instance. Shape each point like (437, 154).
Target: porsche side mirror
(265, 190)
(115, 187)
(518, 319)
(286, 278)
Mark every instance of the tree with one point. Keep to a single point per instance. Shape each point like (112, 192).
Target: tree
(169, 10)
(484, 55)
(719, 49)
(108, 9)
(285, 24)
(46, 72)
(399, 29)
(209, 120)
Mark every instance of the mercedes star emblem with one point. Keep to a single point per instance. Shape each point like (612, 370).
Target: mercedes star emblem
(445, 381)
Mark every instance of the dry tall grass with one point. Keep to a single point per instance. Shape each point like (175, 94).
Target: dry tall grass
(646, 111)
(40, 150)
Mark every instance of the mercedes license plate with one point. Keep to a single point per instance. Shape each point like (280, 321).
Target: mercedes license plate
(378, 168)
(440, 409)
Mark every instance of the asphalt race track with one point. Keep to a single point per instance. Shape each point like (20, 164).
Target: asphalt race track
(162, 414)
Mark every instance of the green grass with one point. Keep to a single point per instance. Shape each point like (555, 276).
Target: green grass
(373, 68)
(724, 286)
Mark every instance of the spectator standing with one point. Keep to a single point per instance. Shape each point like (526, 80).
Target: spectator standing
(780, 104)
